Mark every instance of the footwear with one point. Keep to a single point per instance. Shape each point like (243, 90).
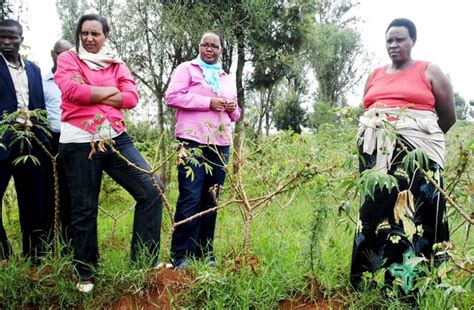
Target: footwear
(4, 262)
(163, 265)
(85, 286)
(212, 262)
(185, 263)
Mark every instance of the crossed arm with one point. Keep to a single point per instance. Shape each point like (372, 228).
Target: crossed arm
(108, 95)
(75, 88)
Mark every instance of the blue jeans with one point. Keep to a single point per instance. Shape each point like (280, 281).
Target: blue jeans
(196, 237)
(84, 177)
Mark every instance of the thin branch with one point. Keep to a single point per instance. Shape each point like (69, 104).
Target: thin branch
(200, 214)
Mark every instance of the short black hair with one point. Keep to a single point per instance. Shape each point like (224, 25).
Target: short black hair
(12, 23)
(404, 22)
(86, 17)
(217, 33)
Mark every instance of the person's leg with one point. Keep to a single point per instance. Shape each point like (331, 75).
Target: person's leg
(5, 175)
(148, 208)
(83, 177)
(49, 195)
(30, 189)
(217, 157)
(430, 209)
(183, 243)
(374, 224)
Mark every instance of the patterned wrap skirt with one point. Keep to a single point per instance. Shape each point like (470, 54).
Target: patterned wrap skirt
(383, 241)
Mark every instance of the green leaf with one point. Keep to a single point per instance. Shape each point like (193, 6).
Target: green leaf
(25, 158)
(189, 172)
(416, 156)
(370, 179)
(208, 168)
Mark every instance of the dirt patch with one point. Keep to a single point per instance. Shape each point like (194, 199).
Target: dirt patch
(163, 288)
(311, 298)
(251, 262)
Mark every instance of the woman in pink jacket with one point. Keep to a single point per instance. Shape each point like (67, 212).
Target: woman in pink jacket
(204, 97)
(95, 87)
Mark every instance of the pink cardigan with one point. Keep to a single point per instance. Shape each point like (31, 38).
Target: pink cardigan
(76, 107)
(191, 96)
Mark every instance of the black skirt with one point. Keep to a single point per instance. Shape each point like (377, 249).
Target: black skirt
(383, 242)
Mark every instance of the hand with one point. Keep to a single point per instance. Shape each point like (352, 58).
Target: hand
(218, 104)
(78, 78)
(230, 106)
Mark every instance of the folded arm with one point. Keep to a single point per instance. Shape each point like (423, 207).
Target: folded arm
(76, 89)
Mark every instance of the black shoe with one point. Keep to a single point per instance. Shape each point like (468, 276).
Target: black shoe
(212, 262)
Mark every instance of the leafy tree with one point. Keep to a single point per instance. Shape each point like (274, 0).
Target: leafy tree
(276, 52)
(462, 109)
(69, 12)
(6, 8)
(471, 109)
(288, 114)
(335, 50)
(324, 113)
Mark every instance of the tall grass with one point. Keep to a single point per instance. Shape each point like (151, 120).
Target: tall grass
(308, 242)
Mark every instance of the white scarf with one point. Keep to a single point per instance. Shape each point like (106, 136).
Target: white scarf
(100, 60)
(419, 128)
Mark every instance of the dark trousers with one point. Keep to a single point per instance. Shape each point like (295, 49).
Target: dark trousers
(64, 197)
(196, 237)
(29, 186)
(84, 177)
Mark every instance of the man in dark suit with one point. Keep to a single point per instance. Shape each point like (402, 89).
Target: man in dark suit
(20, 90)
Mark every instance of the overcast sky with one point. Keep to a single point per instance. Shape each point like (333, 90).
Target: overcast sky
(445, 34)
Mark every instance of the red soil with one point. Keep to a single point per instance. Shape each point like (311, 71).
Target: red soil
(162, 290)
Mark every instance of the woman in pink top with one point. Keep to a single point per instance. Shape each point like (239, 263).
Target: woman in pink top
(409, 105)
(204, 97)
(95, 86)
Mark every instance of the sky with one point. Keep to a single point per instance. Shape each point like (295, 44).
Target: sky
(445, 34)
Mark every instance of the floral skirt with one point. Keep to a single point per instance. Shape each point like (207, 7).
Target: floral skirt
(389, 241)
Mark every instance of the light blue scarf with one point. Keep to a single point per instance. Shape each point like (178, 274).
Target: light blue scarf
(211, 74)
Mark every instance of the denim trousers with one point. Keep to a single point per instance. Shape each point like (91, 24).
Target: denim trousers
(195, 238)
(84, 175)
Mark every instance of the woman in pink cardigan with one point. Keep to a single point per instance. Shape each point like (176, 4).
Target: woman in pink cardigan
(95, 87)
(205, 99)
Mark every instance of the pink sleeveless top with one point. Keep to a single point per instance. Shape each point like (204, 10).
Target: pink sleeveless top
(408, 88)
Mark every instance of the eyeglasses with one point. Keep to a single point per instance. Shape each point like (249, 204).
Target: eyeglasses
(207, 45)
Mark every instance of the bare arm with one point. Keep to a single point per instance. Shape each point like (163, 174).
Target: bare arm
(366, 86)
(443, 93)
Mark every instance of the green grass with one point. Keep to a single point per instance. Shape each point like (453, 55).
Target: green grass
(281, 242)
